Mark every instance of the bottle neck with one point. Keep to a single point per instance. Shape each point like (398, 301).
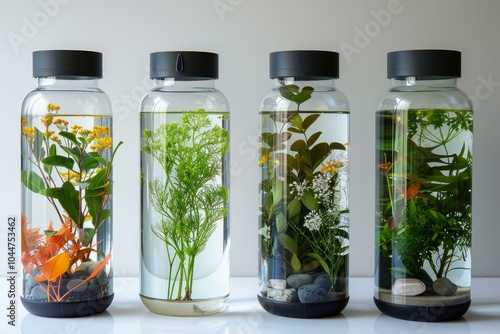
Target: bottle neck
(173, 84)
(68, 83)
(318, 85)
(427, 83)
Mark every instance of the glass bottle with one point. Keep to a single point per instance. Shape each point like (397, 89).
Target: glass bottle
(184, 124)
(423, 189)
(304, 187)
(66, 160)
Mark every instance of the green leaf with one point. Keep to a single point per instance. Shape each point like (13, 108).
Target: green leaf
(313, 138)
(277, 192)
(321, 261)
(337, 146)
(318, 154)
(94, 195)
(89, 163)
(53, 149)
(288, 91)
(283, 137)
(49, 233)
(59, 161)
(68, 197)
(280, 223)
(75, 152)
(289, 243)
(32, 181)
(39, 150)
(309, 120)
(308, 89)
(293, 208)
(297, 122)
(105, 214)
(309, 200)
(294, 130)
(268, 138)
(309, 266)
(295, 262)
(298, 146)
(70, 136)
(88, 235)
(303, 96)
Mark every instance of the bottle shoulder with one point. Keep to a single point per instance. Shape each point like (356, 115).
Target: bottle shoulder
(79, 102)
(416, 98)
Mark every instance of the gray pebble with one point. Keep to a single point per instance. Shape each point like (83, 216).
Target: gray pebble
(75, 282)
(282, 295)
(408, 287)
(324, 281)
(88, 266)
(38, 293)
(297, 280)
(312, 294)
(102, 278)
(31, 281)
(444, 287)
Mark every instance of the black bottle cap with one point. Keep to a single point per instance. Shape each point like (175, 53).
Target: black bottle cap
(184, 65)
(304, 64)
(424, 64)
(67, 63)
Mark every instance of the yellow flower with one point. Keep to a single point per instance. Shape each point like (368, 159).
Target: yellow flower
(330, 167)
(263, 160)
(48, 133)
(47, 120)
(103, 130)
(29, 132)
(276, 162)
(70, 176)
(75, 128)
(61, 124)
(102, 143)
(53, 107)
(84, 133)
(56, 139)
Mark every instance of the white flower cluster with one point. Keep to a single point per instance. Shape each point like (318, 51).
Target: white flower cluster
(298, 188)
(321, 187)
(312, 221)
(265, 232)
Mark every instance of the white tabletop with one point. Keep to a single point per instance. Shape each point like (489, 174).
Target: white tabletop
(244, 315)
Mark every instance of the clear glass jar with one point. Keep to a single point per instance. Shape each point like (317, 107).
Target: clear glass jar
(66, 205)
(423, 189)
(304, 188)
(184, 187)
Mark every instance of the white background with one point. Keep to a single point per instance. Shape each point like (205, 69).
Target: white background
(244, 32)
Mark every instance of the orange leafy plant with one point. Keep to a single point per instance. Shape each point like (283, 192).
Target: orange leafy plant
(55, 256)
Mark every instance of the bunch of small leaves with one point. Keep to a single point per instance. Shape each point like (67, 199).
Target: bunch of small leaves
(190, 201)
(282, 212)
(88, 194)
(433, 224)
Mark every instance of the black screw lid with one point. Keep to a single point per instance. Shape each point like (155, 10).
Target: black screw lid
(304, 64)
(424, 64)
(184, 65)
(67, 63)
